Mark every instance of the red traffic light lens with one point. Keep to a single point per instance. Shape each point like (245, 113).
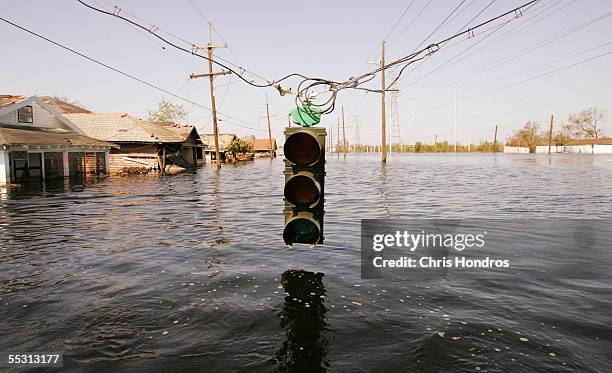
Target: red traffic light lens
(302, 190)
(302, 149)
(301, 231)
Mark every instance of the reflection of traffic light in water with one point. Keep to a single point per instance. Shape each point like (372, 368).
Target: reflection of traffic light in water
(303, 318)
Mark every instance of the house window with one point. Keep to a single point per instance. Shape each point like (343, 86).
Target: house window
(24, 115)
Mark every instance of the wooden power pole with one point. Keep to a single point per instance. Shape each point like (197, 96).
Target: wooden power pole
(211, 75)
(269, 129)
(383, 113)
(338, 150)
(343, 135)
(550, 130)
(495, 140)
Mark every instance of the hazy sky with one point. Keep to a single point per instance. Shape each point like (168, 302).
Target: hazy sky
(508, 75)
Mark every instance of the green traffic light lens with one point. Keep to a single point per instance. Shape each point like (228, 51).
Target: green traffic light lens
(301, 231)
(301, 191)
(302, 149)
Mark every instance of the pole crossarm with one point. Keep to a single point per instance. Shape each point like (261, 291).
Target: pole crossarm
(222, 72)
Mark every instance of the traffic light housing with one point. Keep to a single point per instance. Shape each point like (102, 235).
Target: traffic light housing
(304, 153)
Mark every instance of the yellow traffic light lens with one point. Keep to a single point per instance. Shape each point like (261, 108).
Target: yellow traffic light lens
(301, 231)
(302, 190)
(302, 149)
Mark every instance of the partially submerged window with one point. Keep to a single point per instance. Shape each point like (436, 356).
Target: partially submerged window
(19, 166)
(100, 163)
(25, 115)
(54, 165)
(76, 164)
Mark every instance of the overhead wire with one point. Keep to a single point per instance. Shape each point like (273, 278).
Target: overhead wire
(510, 57)
(142, 81)
(194, 48)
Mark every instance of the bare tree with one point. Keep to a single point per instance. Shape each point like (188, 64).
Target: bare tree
(586, 124)
(167, 112)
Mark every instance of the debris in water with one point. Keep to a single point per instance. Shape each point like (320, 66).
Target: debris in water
(441, 334)
(523, 339)
(164, 332)
(497, 349)
(552, 354)
(356, 303)
(456, 338)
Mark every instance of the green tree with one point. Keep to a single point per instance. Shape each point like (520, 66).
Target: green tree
(240, 146)
(527, 136)
(586, 124)
(167, 112)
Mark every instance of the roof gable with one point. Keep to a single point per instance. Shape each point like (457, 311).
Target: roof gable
(15, 103)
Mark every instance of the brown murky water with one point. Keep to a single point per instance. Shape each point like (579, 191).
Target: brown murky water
(189, 272)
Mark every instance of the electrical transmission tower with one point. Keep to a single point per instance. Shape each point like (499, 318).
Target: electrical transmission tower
(396, 138)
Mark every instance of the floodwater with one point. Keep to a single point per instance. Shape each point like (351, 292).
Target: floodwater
(189, 272)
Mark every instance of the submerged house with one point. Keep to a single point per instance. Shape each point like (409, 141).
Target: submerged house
(37, 142)
(225, 139)
(261, 147)
(602, 145)
(142, 143)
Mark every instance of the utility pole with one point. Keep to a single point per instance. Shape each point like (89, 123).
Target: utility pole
(343, 134)
(269, 128)
(384, 114)
(469, 144)
(289, 118)
(550, 133)
(495, 140)
(455, 120)
(338, 141)
(211, 76)
(436, 140)
(331, 140)
(357, 139)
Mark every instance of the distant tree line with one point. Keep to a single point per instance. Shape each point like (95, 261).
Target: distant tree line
(586, 124)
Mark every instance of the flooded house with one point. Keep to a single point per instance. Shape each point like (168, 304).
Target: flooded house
(225, 139)
(261, 147)
(37, 143)
(602, 145)
(142, 143)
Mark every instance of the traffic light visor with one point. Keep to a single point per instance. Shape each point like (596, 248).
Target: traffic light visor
(302, 149)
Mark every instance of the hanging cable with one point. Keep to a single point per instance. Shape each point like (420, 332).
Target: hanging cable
(151, 85)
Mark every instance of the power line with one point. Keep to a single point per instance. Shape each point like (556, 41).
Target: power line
(194, 48)
(540, 76)
(151, 85)
(508, 58)
(410, 23)
(600, 46)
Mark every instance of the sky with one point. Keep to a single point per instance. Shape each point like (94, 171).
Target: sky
(552, 60)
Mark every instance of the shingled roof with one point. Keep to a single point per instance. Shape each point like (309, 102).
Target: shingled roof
(599, 141)
(121, 127)
(63, 107)
(6, 100)
(26, 135)
(263, 144)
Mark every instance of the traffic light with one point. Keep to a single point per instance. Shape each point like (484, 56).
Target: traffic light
(304, 151)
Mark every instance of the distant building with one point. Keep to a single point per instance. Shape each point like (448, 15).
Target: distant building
(142, 143)
(225, 139)
(553, 149)
(590, 146)
(261, 147)
(516, 150)
(37, 143)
